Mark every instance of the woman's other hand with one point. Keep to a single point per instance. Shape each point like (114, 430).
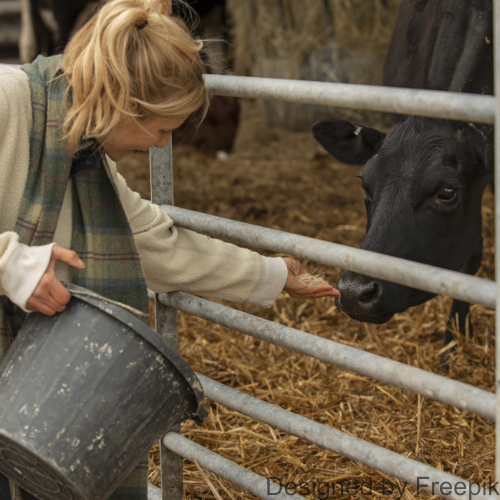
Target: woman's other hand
(50, 296)
(297, 290)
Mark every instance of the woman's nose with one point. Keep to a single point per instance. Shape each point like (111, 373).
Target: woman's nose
(163, 140)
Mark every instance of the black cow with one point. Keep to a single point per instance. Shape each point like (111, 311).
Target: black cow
(424, 180)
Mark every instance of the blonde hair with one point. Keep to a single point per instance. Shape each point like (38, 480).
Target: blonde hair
(131, 50)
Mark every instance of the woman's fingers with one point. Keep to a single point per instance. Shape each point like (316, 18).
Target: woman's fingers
(322, 291)
(37, 306)
(44, 307)
(57, 294)
(314, 292)
(60, 254)
(294, 267)
(51, 290)
(298, 290)
(50, 296)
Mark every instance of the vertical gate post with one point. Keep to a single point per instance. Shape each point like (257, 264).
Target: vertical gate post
(496, 52)
(162, 193)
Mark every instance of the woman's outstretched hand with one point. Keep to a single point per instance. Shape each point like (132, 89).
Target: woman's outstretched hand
(297, 290)
(50, 296)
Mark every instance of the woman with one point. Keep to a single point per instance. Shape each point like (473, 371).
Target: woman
(126, 80)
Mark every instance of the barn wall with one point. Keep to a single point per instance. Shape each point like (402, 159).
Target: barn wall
(320, 40)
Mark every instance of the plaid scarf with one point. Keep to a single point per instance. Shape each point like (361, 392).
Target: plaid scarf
(101, 233)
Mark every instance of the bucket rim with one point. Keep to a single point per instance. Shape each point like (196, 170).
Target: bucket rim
(131, 321)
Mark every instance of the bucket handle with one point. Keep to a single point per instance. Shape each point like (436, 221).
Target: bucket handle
(100, 297)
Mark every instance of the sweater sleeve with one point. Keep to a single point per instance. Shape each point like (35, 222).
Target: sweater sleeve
(179, 259)
(9, 243)
(15, 128)
(23, 270)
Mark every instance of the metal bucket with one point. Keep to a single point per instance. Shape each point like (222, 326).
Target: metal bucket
(84, 395)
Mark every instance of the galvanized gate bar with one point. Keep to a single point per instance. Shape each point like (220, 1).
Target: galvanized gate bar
(232, 472)
(356, 449)
(430, 385)
(154, 493)
(496, 66)
(439, 104)
(422, 276)
(162, 191)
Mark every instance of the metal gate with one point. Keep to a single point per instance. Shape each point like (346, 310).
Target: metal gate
(447, 105)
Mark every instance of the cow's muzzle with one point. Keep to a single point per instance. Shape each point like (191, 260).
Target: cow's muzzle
(368, 299)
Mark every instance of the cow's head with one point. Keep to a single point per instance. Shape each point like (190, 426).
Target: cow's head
(423, 185)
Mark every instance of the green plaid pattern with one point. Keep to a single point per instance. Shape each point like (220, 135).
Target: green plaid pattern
(103, 239)
(101, 234)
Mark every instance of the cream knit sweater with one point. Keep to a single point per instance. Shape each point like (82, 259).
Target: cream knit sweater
(172, 258)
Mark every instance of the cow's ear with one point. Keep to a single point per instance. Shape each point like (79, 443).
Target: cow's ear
(476, 136)
(347, 143)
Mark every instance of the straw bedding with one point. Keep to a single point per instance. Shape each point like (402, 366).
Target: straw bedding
(282, 180)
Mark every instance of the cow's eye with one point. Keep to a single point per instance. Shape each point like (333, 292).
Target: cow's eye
(447, 194)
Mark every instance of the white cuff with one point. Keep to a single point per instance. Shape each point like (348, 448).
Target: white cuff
(272, 281)
(23, 271)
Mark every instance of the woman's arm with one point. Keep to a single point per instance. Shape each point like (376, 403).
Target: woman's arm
(179, 259)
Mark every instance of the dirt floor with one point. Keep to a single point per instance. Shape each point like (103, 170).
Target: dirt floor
(283, 180)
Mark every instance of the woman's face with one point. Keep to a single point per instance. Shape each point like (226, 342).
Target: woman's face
(131, 136)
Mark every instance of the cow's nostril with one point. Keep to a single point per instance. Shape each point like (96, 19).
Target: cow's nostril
(370, 293)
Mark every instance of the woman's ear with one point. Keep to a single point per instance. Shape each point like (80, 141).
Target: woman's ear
(132, 106)
(473, 137)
